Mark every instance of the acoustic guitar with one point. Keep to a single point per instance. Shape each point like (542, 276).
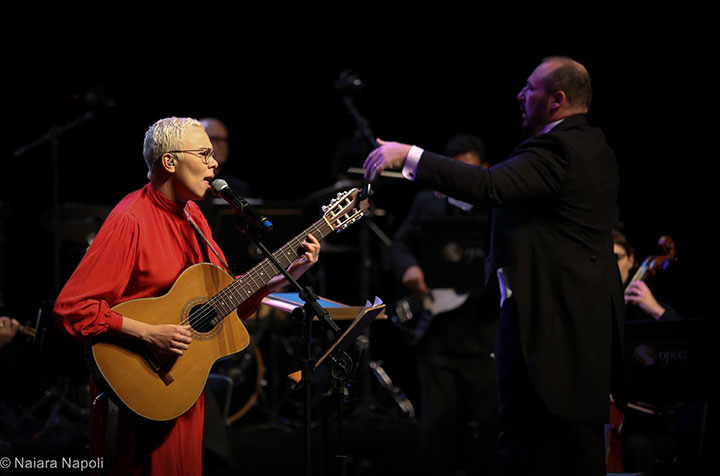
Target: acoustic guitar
(163, 387)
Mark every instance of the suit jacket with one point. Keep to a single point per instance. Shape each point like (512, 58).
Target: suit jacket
(555, 205)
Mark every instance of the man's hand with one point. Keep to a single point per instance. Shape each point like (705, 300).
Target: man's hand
(390, 155)
(414, 279)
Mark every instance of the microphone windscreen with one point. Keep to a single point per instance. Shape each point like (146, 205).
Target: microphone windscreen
(218, 185)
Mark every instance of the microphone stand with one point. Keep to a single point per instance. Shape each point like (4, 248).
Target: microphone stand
(342, 365)
(363, 128)
(305, 314)
(362, 123)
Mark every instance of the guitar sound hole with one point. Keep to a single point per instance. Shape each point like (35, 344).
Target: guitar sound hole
(202, 318)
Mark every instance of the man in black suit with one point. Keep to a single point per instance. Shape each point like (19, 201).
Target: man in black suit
(554, 205)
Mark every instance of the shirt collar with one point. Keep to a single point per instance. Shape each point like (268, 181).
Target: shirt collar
(163, 202)
(460, 204)
(550, 126)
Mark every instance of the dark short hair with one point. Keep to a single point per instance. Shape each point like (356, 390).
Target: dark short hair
(462, 143)
(572, 78)
(620, 239)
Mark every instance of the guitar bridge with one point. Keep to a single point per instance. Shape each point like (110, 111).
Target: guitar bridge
(156, 366)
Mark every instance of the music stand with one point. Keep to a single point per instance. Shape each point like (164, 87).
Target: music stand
(288, 302)
(452, 251)
(669, 359)
(341, 364)
(359, 324)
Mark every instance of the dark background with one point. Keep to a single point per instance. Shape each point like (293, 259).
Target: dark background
(292, 135)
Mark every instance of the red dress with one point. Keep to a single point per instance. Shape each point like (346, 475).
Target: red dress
(141, 249)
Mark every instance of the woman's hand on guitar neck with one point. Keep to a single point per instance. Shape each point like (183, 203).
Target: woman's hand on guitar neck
(300, 265)
(166, 338)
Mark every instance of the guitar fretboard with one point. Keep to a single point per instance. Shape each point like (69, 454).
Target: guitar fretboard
(233, 295)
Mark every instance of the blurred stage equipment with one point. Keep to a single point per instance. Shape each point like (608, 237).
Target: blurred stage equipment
(95, 100)
(351, 85)
(77, 223)
(53, 382)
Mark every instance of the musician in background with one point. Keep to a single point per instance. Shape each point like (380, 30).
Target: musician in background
(219, 136)
(649, 446)
(143, 246)
(638, 294)
(458, 409)
(8, 329)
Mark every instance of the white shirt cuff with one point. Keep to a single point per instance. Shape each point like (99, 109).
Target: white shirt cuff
(411, 162)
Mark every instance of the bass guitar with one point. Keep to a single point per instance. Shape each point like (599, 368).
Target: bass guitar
(163, 387)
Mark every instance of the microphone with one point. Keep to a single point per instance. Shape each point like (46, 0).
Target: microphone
(349, 82)
(241, 207)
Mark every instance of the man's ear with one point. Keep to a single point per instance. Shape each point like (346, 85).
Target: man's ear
(557, 100)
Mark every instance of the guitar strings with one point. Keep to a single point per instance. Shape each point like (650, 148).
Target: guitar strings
(209, 310)
(216, 305)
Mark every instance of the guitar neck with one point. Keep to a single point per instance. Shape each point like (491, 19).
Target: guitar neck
(233, 295)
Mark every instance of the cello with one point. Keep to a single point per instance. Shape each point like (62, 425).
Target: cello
(653, 263)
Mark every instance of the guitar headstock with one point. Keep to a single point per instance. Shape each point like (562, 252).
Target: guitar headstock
(345, 209)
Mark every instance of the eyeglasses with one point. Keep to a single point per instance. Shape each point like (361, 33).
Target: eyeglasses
(205, 153)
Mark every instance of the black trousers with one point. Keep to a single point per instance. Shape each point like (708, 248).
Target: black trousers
(532, 440)
(458, 399)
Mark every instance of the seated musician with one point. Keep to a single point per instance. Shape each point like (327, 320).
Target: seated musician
(648, 443)
(638, 294)
(146, 242)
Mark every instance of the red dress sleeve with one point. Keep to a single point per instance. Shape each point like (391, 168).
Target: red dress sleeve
(83, 308)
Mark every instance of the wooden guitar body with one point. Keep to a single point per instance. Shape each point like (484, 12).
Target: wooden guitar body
(164, 387)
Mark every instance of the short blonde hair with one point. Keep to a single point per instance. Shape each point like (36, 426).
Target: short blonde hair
(166, 135)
